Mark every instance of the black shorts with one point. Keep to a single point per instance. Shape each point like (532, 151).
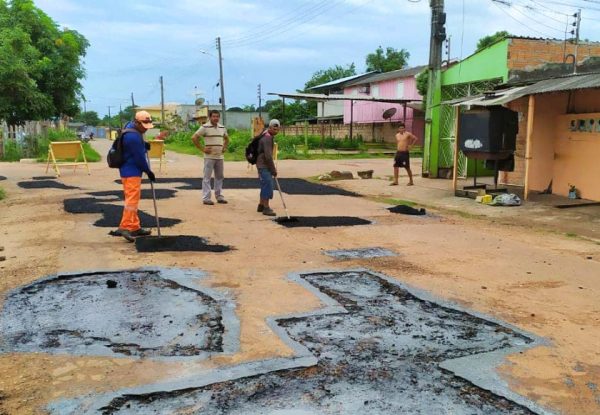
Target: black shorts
(402, 159)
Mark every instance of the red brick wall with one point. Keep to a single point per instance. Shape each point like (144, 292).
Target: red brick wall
(526, 54)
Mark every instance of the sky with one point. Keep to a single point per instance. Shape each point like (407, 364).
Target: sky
(278, 44)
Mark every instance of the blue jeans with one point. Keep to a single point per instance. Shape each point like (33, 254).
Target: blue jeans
(266, 183)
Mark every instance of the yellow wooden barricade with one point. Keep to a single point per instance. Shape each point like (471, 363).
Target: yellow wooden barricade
(157, 153)
(66, 153)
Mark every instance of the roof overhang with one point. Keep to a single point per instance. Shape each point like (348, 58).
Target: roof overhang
(340, 97)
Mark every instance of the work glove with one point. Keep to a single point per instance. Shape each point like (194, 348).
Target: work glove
(151, 176)
(147, 145)
(274, 173)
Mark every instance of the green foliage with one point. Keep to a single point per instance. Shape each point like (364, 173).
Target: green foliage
(294, 110)
(12, 152)
(42, 144)
(391, 60)
(2, 194)
(331, 74)
(423, 82)
(120, 118)
(41, 64)
(88, 118)
(486, 41)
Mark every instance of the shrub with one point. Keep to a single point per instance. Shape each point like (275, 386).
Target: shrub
(12, 152)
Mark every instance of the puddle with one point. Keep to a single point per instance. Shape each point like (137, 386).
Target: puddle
(127, 313)
(360, 253)
(378, 348)
(320, 221)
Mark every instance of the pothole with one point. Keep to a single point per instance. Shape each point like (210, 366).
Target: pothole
(360, 253)
(320, 221)
(45, 184)
(379, 350)
(126, 313)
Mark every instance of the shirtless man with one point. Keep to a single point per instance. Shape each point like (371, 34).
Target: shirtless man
(404, 141)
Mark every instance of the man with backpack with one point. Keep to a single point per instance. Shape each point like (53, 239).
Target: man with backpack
(266, 167)
(132, 165)
(215, 145)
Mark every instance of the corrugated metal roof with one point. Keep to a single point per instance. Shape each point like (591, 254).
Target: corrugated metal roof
(386, 76)
(341, 81)
(500, 97)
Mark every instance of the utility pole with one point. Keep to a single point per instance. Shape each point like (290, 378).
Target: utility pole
(432, 115)
(162, 103)
(577, 27)
(120, 116)
(84, 105)
(109, 123)
(259, 101)
(221, 81)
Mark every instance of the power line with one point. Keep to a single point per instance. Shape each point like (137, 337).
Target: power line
(512, 5)
(517, 20)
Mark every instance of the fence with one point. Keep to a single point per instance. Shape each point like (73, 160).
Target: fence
(384, 132)
(24, 136)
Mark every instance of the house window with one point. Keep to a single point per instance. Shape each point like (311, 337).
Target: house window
(400, 90)
(375, 91)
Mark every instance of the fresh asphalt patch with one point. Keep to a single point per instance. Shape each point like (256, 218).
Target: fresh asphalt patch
(408, 210)
(45, 184)
(43, 178)
(128, 313)
(288, 185)
(320, 221)
(111, 214)
(379, 350)
(177, 243)
(145, 194)
(2, 178)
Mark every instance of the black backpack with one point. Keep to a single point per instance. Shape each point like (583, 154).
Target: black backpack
(252, 148)
(114, 158)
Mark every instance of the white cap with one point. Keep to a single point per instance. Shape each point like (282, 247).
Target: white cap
(274, 123)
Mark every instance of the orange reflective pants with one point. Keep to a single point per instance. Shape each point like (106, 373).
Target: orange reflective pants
(132, 186)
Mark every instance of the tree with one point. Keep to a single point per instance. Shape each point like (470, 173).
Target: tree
(331, 74)
(391, 60)
(423, 82)
(88, 118)
(486, 41)
(41, 64)
(293, 110)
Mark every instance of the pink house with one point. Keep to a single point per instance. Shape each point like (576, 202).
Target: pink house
(400, 84)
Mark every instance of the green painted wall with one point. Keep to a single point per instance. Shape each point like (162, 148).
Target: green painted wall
(489, 63)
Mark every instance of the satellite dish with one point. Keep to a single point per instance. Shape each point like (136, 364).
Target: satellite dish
(199, 101)
(388, 113)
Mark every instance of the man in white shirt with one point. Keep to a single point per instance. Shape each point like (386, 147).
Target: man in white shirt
(215, 144)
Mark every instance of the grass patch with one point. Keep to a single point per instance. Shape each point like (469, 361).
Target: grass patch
(572, 235)
(392, 201)
(37, 147)
(290, 147)
(2, 194)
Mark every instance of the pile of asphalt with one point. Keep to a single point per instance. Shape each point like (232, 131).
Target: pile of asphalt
(45, 184)
(43, 178)
(117, 314)
(2, 178)
(177, 243)
(288, 185)
(407, 210)
(380, 354)
(111, 214)
(320, 221)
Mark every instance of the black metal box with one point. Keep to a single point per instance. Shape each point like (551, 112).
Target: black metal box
(488, 130)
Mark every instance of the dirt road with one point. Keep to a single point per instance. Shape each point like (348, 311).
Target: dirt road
(541, 282)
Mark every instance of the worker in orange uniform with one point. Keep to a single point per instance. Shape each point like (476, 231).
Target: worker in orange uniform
(134, 164)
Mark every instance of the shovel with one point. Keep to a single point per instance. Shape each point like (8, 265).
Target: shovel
(282, 201)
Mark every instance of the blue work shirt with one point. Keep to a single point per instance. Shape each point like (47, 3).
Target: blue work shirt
(134, 154)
